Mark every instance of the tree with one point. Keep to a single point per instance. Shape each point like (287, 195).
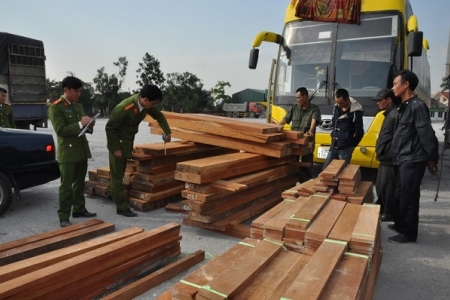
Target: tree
(445, 85)
(218, 93)
(149, 72)
(54, 90)
(184, 93)
(108, 86)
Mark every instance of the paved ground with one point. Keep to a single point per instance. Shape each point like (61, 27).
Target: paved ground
(411, 271)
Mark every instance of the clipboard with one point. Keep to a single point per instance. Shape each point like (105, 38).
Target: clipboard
(85, 128)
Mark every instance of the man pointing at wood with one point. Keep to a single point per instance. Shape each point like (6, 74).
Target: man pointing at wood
(120, 130)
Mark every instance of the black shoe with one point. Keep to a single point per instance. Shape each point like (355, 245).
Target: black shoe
(127, 213)
(387, 218)
(393, 228)
(84, 214)
(400, 239)
(64, 223)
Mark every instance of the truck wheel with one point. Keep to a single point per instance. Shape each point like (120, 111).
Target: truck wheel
(251, 115)
(235, 115)
(6, 195)
(229, 114)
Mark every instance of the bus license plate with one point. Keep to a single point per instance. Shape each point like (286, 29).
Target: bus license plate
(322, 152)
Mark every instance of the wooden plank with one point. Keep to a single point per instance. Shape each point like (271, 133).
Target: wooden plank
(348, 279)
(313, 279)
(25, 266)
(242, 272)
(275, 278)
(250, 127)
(55, 242)
(64, 273)
(248, 179)
(48, 234)
(148, 282)
(333, 169)
(188, 287)
(320, 229)
(275, 149)
(234, 171)
(240, 216)
(157, 149)
(349, 173)
(217, 129)
(95, 284)
(275, 227)
(229, 186)
(226, 209)
(345, 224)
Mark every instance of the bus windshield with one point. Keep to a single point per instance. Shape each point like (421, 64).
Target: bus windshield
(327, 56)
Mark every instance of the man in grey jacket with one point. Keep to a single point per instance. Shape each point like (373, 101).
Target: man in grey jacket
(414, 148)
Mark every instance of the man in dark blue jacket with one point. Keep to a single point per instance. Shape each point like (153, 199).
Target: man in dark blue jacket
(414, 148)
(348, 127)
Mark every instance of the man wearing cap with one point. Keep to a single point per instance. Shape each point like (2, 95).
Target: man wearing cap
(385, 185)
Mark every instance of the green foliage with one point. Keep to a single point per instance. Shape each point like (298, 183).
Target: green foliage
(184, 93)
(218, 93)
(54, 90)
(108, 86)
(149, 72)
(445, 85)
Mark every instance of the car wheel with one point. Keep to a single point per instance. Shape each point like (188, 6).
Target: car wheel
(6, 196)
(251, 115)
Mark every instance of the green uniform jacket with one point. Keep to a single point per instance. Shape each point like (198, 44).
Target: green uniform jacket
(65, 118)
(6, 116)
(123, 124)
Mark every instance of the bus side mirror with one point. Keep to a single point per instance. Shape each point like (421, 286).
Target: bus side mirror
(253, 62)
(415, 43)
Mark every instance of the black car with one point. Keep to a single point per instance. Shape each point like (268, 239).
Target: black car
(27, 159)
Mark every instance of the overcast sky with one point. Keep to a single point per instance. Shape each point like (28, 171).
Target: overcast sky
(209, 38)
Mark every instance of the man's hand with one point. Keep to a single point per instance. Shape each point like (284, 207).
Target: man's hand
(118, 153)
(432, 167)
(85, 120)
(91, 126)
(167, 138)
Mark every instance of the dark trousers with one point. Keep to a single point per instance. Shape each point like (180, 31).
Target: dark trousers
(385, 187)
(407, 193)
(305, 173)
(117, 170)
(71, 190)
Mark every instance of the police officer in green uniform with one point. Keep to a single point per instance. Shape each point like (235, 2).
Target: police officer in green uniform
(67, 117)
(121, 128)
(6, 114)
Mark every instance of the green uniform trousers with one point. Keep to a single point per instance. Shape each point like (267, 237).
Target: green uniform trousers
(71, 190)
(117, 170)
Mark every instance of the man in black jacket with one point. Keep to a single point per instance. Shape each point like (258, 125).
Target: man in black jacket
(414, 148)
(348, 127)
(385, 185)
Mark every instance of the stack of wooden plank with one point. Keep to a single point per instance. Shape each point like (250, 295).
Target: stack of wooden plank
(260, 138)
(98, 183)
(349, 180)
(328, 179)
(149, 177)
(254, 183)
(258, 269)
(64, 264)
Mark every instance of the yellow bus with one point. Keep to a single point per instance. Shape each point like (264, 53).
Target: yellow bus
(361, 55)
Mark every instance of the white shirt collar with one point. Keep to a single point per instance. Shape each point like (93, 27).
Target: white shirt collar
(139, 104)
